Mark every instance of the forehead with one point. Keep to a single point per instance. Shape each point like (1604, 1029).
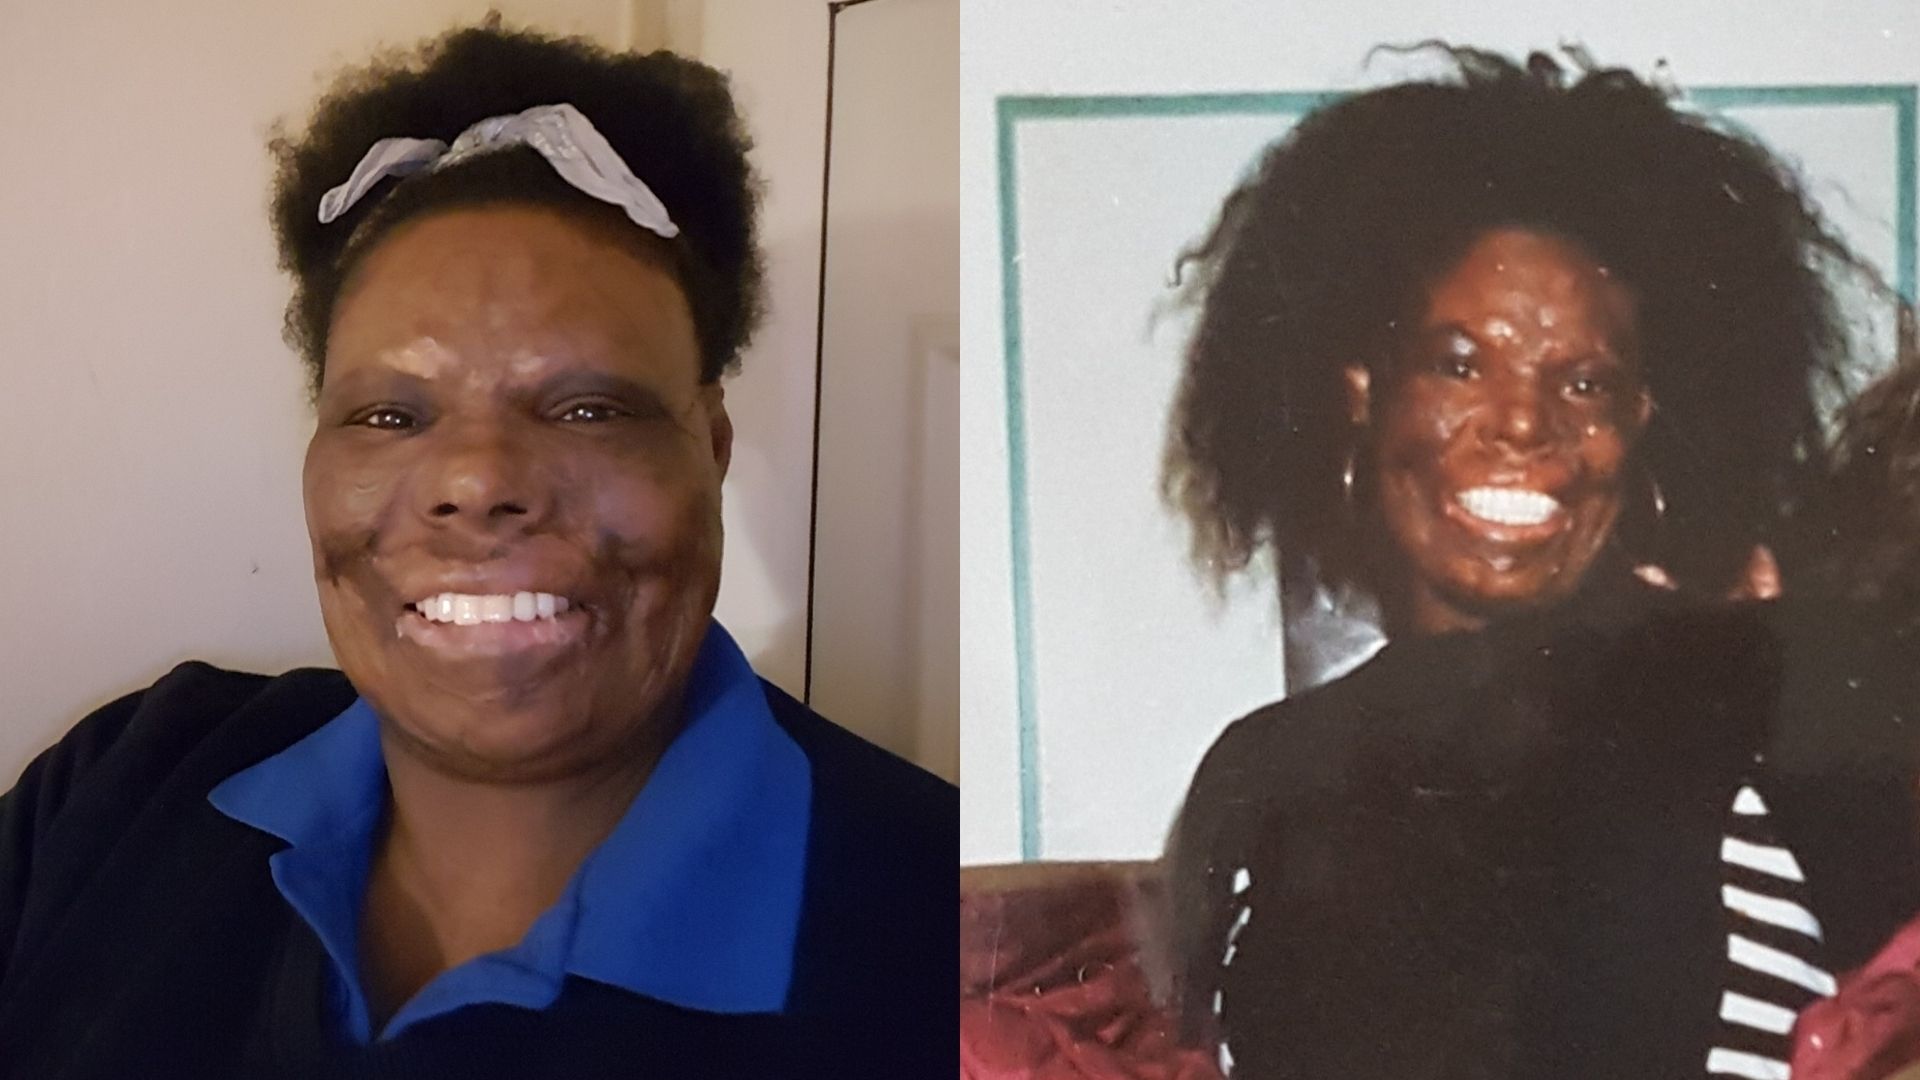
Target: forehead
(1530, 284)
(511, 290)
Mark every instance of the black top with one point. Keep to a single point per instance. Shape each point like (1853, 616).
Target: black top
(142, 936)
(1498, 854)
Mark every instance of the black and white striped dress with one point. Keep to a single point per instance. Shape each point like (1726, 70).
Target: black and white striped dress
(1242, 915)
(1773, 967)
(1773, 951)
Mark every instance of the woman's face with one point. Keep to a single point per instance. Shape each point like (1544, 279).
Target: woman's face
(1499, 438)
(512, 411)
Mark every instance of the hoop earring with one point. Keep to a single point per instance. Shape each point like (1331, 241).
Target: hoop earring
(1659, 497)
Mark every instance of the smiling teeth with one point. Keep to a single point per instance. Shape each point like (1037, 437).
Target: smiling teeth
(467, 609)
(1508, 506)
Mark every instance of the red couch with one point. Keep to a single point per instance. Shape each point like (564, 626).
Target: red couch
(1062, 978)
(1058, 968)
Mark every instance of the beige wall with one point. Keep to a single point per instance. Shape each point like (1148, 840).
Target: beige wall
(886, 610)
(886, 652)
(776, 52)
(151, 420)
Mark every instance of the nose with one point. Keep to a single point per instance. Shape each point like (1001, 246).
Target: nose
(1521, 421)
(481, 479)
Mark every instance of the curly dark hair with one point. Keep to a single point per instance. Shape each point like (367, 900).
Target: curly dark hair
(1344, 222)
(672, 119)
(1862, 539)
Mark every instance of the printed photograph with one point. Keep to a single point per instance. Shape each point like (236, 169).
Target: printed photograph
(1439, 543)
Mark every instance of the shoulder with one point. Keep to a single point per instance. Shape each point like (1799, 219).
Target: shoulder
(1285, 755)
(134, 769)
(887, 794)
(197, 702)
(882, 895)
(1849, 678)
(1259, 764)
(1293, 747)
(1840, 765)
(197, 718)
(194, 699)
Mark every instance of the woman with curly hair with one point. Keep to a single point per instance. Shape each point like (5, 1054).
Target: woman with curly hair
(546, 820)
(1867, 538)
(1495, 349)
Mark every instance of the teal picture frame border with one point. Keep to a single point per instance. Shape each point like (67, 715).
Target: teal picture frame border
(1011, 112)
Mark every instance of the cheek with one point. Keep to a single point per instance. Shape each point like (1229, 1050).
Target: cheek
(1419, 433)
(1603, 456)
(347, 500)
(653, 516)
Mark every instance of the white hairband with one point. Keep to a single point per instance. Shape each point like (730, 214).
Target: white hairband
(570, 143)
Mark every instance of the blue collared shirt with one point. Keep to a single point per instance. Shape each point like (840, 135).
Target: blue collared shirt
(693, 899)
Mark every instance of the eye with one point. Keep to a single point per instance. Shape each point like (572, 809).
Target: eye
(1457, 360)
(385, 418)
(592, 412)
(1590, 385)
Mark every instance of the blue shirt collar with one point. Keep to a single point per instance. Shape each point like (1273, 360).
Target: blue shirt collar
(694, 899)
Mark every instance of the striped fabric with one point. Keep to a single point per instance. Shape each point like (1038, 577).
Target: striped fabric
(1773, 948)
(1243, 904)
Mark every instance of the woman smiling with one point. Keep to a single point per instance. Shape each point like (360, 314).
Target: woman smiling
(1501, 441)
(545, 820)
(1503, 350)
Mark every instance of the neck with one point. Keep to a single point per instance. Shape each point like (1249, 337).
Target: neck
(1608, 584)
(462, 839)
(462, 867)
(1425, 615)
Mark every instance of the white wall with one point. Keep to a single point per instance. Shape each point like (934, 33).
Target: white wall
(1118, 624)
(882, 665)
(886, 655)
(776, 53)
(152, 422)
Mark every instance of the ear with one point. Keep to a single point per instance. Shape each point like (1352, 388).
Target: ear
(1761, 579)
(713, 400)
(1359, 394)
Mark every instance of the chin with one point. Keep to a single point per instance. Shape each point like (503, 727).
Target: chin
(1493, 595)
(494, 740)
(1535, 593)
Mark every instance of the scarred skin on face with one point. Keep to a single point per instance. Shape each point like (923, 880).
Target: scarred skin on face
(512, 403)
(1499, 433)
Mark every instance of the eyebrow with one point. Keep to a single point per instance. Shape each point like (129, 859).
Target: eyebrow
(1425, 334)
(362, 379)
(1604, 350)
